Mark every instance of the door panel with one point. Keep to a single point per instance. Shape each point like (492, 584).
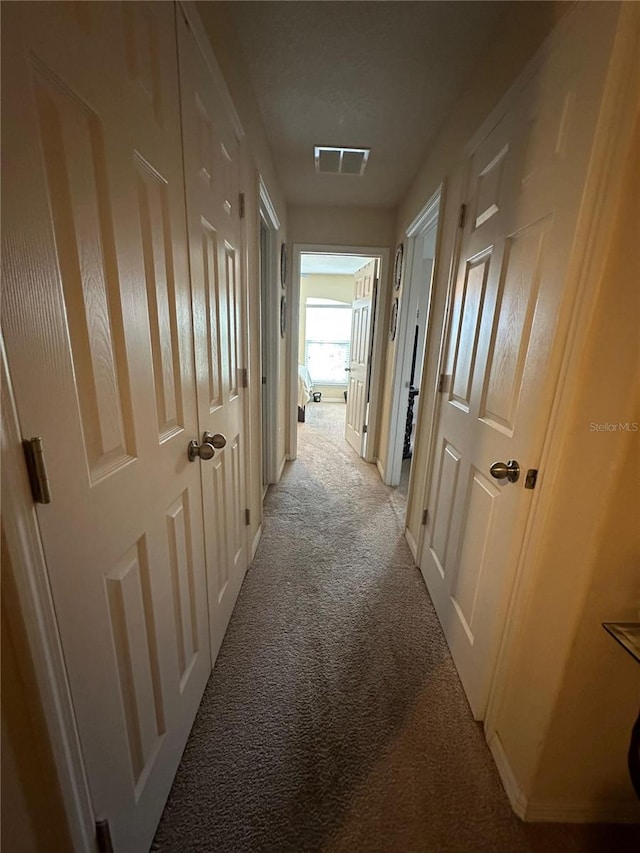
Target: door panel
(523, 197)
(360, 357)
(97, 325)
(211, 168)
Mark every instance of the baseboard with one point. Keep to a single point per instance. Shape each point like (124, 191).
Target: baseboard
(413, 547)
(256, 542)
(281, 469)
(558, 811)
(380, 469)
(612, 811)
(518, 800)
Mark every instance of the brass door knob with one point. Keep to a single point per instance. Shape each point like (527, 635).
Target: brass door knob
(218, 440)
(505, 470)
(200, 451)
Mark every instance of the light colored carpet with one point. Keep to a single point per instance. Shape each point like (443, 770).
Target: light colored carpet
(334, 720)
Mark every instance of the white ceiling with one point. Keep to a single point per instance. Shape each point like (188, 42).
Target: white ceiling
(380, 75)
(331, 264)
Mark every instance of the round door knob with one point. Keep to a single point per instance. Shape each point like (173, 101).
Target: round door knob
(505, 470)
(200, 451)
(218, 440)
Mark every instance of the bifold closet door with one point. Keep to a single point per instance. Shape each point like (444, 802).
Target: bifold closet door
(97, 325)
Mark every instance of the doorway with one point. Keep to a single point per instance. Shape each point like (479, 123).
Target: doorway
(410, 384)
(335, 341)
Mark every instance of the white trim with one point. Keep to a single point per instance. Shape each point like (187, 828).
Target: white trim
(380, 468)
(285, 459)
(513, 791)
(409, 291)
(560, 811)
(269, 211)
(557, 811)
(619, 107)
(28, 565)
(270, 326)
(256, 542)
(376, 367)
(194, 22)
(413, 547)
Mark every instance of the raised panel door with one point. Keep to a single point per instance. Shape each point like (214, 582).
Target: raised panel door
(211, 168)
(97, 327)
(523, 198)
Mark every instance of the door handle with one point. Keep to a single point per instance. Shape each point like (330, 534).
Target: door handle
(218, 440)
(509, 470)
(347, 370)
(200, 451)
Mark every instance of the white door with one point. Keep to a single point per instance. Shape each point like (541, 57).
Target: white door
(212, 170)
(360, 357)
(97, 325)
(525, 183)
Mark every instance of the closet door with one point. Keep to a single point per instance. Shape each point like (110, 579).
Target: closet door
(212, 182)
(98, 332)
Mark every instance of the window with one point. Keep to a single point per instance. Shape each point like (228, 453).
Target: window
(327, 340)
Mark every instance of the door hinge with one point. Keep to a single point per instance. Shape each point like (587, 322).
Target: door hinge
(463, 216)
(247, 517)
(103, 837)
(365, 429)
(244, 377)
(241, 205)
(531, 479)
(36, 469)
(425, 516)
(443, 383)
(264, 380)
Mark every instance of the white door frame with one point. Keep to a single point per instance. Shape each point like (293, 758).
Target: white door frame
(29, 572)
(410, 292)
(270, 327)
(376, 368)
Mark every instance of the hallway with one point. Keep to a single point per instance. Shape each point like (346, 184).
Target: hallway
(334, 719)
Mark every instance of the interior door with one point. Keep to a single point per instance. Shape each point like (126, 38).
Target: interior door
(212, 170)
(97, 325)
(525, 184)
(360, 357)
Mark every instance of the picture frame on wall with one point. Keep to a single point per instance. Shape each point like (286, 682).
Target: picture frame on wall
(397, 266)
(284, 261)
(393, 322)
(283, 316)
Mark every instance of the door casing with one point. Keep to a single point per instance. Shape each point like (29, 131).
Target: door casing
(378, 332)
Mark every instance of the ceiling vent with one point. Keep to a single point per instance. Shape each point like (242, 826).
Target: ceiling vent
(340, 161)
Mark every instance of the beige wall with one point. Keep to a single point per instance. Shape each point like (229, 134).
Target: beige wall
(342, 226)
(572, 692)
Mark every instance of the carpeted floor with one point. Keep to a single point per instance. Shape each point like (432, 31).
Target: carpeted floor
(334, 720)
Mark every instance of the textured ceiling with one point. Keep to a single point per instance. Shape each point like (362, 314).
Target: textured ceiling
(380, 75)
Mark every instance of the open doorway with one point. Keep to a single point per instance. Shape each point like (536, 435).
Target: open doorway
(335, 340)
(409, 384)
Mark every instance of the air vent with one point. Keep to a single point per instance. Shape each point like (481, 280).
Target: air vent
(341, 161)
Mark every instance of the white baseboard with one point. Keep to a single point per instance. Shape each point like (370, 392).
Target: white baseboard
(281, 469)
(516, 796)
(413, 547)
(380, 469)
(605, 811)
(558, 811)
(256, 542)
